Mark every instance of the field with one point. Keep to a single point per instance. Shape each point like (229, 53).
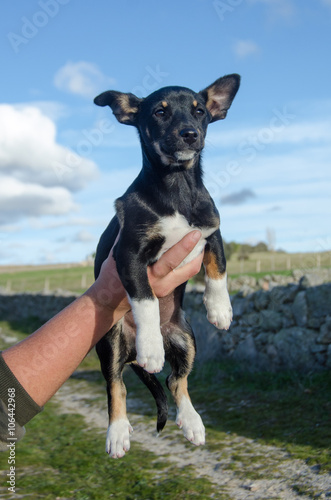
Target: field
(268, 434)
(76, 278)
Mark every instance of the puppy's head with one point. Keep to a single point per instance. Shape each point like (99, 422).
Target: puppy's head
(172, 122)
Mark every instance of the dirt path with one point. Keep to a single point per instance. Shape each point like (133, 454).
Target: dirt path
(281, 476)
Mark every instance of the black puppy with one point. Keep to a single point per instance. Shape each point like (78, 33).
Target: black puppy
(166, 201)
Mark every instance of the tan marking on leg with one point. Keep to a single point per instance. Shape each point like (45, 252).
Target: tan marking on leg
(178, 389)
(118, 401)
(178, 386)
(211, 266)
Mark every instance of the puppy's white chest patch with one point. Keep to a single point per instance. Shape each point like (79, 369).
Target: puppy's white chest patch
(174, 227)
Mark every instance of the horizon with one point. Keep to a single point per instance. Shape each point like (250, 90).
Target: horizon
(64, 161)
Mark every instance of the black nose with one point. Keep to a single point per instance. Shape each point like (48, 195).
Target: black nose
(189, 135)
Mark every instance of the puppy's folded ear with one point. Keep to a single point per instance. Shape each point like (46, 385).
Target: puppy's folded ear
(219, 96)
(125, 106)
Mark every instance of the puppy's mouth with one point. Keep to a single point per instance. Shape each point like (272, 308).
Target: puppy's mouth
(183, 156)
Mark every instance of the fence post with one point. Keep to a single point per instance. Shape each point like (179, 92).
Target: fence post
(318, 260)
(46, 285)
(83, 281)
(288, 263)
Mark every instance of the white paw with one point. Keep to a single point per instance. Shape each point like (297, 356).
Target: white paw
(149, 340)
(190, 422)
(118, 438)
(218, 305)
(150, 351)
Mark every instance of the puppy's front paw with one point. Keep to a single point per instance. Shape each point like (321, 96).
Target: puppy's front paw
(218, 305)
(190, 422)
(118, 438)
(150, 351)
(149, 340)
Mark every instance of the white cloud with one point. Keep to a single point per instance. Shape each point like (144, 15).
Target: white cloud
(83, 237)
(18, 199)
(29, 151)
(37, 175)
(81, 78)
(245, 48)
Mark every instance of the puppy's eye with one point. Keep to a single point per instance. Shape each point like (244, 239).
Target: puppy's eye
(159, 113)
(199, 112)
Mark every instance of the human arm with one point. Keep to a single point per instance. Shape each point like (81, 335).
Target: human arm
(45, 360)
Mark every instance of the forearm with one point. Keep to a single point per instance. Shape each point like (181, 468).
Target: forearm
(45, 360)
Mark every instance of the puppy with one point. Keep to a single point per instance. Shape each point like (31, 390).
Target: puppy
(166, 201)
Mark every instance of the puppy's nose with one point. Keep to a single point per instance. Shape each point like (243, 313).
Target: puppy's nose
(189, 135)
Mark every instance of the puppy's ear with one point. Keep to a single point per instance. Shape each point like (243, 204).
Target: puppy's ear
(219, 96)
(125, 106)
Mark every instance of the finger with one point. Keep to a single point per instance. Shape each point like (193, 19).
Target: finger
(173, 257)
(163, 286)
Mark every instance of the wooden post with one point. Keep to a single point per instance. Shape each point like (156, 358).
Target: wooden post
(46, 285)
(83, 281)
(318, 260)
(288, 263)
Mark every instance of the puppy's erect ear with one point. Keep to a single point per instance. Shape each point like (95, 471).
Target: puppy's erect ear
(125, 106)
(219, 96)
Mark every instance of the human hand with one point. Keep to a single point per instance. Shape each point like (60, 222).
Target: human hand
(164, 276)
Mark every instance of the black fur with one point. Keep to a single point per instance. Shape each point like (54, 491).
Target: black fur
(172, 124)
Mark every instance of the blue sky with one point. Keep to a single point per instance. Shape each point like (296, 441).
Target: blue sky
(63, 161)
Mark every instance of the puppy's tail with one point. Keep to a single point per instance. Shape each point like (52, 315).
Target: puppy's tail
(158, 393)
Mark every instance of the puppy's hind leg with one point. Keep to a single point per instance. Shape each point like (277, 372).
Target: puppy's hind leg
(181, 354)
(112, 359)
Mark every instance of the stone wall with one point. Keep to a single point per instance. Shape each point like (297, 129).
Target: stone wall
(288, 327)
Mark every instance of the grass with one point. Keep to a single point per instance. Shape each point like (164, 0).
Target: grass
(58, 458)
(275, 262)
(77, 279)
(291, 411)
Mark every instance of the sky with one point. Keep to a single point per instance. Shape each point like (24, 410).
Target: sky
(64, 161)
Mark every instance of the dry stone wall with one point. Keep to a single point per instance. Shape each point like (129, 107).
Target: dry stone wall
(287, 327)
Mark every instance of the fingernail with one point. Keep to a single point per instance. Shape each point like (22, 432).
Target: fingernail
(195, 236)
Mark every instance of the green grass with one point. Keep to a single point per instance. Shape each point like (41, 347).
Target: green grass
(289, 410)
(75, 279)
(275, 262)
(58, 457)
